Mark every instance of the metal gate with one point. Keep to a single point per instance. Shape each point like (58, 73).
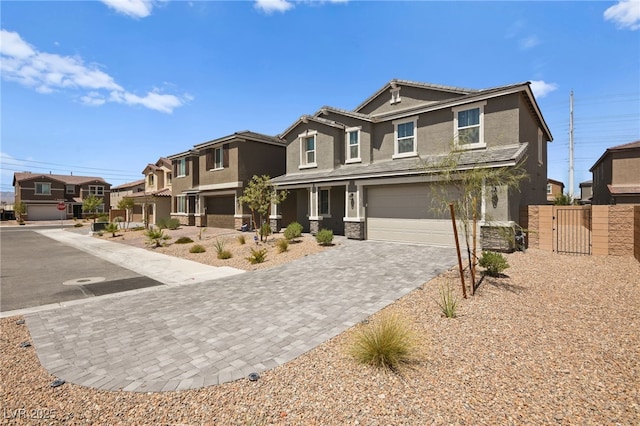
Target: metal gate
(573, 230)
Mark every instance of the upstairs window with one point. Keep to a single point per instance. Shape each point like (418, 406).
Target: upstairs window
(549, 189)
(181, 167)
(96, 190)
(405, 137)
(168, 178)
(70, 189)
(150, 179)
(540, 148)
(308, 150)
(468, 123)
(217, 158)
(43, 188)
(353, 144)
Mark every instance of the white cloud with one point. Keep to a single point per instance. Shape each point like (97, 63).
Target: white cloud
(132, 8)
(529, 42)
(49, 72)
(625, 14)
(541, 88)
(270, 6)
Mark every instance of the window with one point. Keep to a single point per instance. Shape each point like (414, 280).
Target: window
(308, 150)
(217, 158)
(540, 147)
(168, 178)
(181, 167)
(323, 202)
(151, 179)
(405, 138)
(43, 188)
(353, 144)
(468, 123)
(549, 191)
(181, 204)
(96, 190)
(71, 189)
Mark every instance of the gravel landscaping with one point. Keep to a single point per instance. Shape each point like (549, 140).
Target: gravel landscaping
(554, 341)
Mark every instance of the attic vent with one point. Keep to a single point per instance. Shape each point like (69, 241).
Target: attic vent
(395, 95)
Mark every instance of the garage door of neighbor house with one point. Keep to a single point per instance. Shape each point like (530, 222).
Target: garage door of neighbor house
(405, 213)
(220, 211)
(43, 212)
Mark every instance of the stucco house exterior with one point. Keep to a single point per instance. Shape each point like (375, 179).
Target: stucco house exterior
(362, 172)
(586, 192)
(41, 194)
(209, 178)
(154, 202)
(555, 188)
(616, 175)
(127, 190)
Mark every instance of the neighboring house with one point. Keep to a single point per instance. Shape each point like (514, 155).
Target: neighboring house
(209, 178)
(41, 194)
(127, 190)
(555, 189)
(616, 175)
(361, 173)
(586, 192)
(154, 201)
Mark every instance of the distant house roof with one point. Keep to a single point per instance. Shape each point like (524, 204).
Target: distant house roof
(586, 183)
(241, 136)
(66, 179)
(557, 182)
(618, 148)
(129, 185)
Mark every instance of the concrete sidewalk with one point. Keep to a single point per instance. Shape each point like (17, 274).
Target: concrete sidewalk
(182, 337)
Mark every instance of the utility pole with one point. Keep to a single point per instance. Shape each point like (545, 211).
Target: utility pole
(571, 144)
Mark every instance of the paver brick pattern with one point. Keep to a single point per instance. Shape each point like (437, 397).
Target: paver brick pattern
(213, 332)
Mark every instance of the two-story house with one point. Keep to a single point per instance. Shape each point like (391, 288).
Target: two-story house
(154, 201)
(555, 188)
(41, 194)
(362, 173)
(209, 178)
(616, 179)
(127, 190)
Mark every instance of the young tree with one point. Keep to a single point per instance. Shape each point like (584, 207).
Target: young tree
(91, 204)
(20, 209)
(464, 186)
(127, 205)
(565, 199)
(259, 195)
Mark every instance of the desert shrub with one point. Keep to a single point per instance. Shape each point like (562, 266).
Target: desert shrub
(112, 227)
(183, 240)
(448, 302)
(118, 219)
(493, 262)
(324, 237)
(155, 237)
(197, 248)
(220, 250)
(78, 225)
(265, 230)
(387, 342)
(293, 231)
(257, 256)
(103, 218)
(242, 240)
(168, 223)
(283, 245)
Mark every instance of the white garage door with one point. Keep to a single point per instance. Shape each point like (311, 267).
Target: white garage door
(405, 213)
(43, 212)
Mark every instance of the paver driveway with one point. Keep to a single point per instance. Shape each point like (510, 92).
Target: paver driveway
(208, 333)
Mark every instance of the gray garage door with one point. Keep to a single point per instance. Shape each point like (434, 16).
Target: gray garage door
(405, 213)
(43, 212)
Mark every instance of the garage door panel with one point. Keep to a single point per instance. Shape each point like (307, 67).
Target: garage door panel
(419, 231)
(48, 212)
(220, 211)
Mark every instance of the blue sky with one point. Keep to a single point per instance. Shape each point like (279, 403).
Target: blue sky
(105, 87)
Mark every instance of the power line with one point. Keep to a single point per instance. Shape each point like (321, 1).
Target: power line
(65, 165)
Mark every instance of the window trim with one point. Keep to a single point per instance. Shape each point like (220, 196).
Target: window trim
(181, 162)
(303, 152)
(396, 123)
(348, 131)
(70, 189)
(476, 105)
(540, 146)
(178, 202)
(35, 188)
(217, 166)
(151, 178)
(549, 189)
(93, 190)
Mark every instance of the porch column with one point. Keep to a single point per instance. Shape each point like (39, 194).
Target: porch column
(240, 217)
(275, 218)
(353, 221)
(315, 220)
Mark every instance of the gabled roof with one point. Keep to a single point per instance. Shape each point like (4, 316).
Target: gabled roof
(396, 82)
(307, 118)
(129, 185)
(618, 148)
(244, 135)
(557, 182)
(162, 162)
(344, 112)
(66, 179)
(494, 157)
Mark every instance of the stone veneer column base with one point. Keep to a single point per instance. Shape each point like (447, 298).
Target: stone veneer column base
(314, 226)
(276, 224)
(354, 230)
